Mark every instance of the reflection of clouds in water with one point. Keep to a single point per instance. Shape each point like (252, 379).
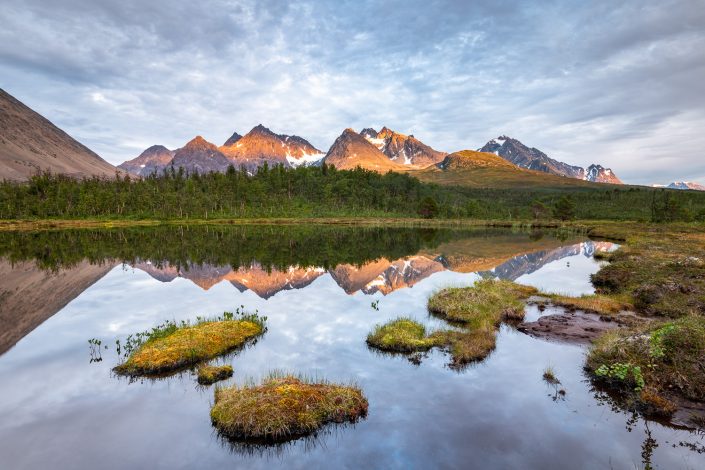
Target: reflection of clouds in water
(493, 414)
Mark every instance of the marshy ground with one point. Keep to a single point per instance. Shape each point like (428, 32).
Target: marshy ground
(284, 407)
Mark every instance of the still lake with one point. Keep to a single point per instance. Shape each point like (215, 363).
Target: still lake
(316, 286)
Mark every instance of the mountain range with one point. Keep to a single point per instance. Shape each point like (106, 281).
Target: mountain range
(522, 156)
(29, 143)
(254, 149)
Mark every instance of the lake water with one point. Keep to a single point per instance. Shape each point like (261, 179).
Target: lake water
(316, 286)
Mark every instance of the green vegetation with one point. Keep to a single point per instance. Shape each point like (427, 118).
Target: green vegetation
(483, 305)
(171, 346)
(284, 407)
(477, 310)
(652, 364)
(600, 304)
(310, 192)
(211, 374)
(403, 335)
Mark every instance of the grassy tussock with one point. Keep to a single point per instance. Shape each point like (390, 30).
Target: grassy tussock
(211, 374)
(600, 304)
(649, 364)
(171, 347)
(284, 407)
(484, 305)
(403, 335)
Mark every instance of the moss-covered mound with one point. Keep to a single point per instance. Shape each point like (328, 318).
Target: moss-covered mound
(171, 347)
(403, 335)
(284, 407)
(211, 374)
(652, 364)
(486, 303)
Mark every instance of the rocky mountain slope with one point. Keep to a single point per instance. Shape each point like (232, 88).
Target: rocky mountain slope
(152, 160)
(519, 154)
(402, 149)
(29, 143)
(351, 149)
(200, 156)
(261, 145)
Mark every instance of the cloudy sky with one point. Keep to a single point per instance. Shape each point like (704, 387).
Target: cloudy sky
(617, 83)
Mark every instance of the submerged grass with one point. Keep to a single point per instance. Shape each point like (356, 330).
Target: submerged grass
(653, 364)
(284, 407)
(211, 374)
(173, 346)
(403, 335)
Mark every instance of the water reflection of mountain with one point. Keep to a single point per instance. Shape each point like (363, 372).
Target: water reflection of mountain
(382, 275)
(530, 262)
(29, 295)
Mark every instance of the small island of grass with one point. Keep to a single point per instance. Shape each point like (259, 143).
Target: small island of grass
(173, 346)
(403, 335)
(284, 407)
(211, 374)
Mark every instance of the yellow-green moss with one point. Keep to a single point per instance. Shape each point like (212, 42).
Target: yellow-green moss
(596, 303)
(172, 347)
(403, 335)
(284, 407)
(211, 374)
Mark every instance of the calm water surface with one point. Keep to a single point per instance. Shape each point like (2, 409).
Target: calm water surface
(59, 410)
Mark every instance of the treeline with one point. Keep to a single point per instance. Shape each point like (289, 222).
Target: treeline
(327, 192)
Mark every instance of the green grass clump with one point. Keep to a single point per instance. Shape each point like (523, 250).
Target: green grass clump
(483, 305)
(211, 374)
(649, 364)
(284, 407)
(173, 346)
(403, 335)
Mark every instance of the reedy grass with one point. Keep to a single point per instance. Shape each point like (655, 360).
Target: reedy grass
(171, 346)
(211, 374)
(284, 407)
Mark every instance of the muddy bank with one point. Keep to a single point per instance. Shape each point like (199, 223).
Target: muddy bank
(576, 327)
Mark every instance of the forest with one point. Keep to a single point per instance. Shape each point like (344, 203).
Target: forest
(326, 192)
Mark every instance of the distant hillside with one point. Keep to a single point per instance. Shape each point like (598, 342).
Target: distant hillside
(29, 143)
(201, 156)
(486, 170)
(532, 158)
